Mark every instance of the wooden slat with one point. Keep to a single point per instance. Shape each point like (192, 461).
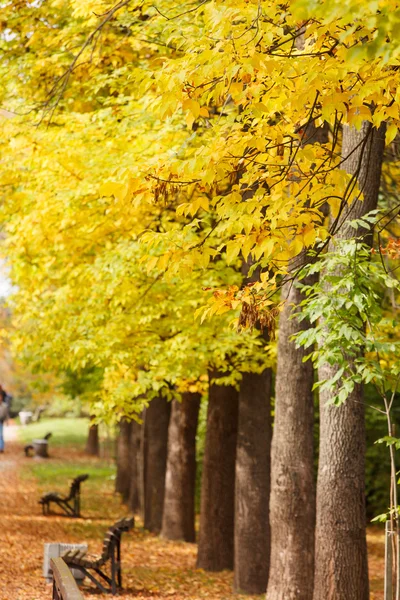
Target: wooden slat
(64, 580)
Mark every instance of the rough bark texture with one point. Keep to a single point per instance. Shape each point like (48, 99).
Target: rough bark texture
(215, 551)
(136, 483)
(178, 516)
(155, 440)
(92, 444)
(292, 506)
(122, 482)
(341, 552)
(252, 486)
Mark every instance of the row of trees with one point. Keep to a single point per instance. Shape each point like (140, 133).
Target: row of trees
(244, 523)
(202, 162)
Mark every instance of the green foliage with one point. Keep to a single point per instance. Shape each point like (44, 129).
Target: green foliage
(346, 309)
(20, 403)
(352, 328)
(83, 382)
(377, 464)
(64, 406)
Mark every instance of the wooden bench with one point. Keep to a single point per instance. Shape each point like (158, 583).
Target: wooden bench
(70, 504)
(64, 584)
(111, 553)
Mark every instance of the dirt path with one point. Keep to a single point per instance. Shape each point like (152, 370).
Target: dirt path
(11, 432)
(153, 569)
(20, 551)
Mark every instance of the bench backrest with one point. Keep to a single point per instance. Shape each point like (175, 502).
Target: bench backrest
(64, 584)
(113, 535)
(75, 485)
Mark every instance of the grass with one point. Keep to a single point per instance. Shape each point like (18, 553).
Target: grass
(98, 500)
(51, 472)
(67, 460)
(65, 432)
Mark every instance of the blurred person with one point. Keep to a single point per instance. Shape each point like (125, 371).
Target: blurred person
(3, 415)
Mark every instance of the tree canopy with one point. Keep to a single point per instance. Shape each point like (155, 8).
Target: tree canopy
(161, 161)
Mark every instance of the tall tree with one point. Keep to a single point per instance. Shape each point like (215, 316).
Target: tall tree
(179, 502)
(292, 470)
(92, 444)
(292, 506)
(216, 536)
(123, 479)
(252, 486)
(136, 482)
(341, 571)
(155, 440)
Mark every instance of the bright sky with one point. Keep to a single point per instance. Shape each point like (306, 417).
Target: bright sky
(5, 284)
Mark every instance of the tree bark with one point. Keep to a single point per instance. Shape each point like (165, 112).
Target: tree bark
(92, 444)
(252, 486)
(155, 440)
(292, 506)
(178, 517)
(215, 551)
(123, 479)
(341, 551)
(136, 484)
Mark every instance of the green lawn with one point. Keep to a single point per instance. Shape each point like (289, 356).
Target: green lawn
(97, 493)
(67, 460)
(65, 432)
(55, 473)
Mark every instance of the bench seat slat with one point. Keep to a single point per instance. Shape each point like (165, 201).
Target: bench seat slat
(111, 552)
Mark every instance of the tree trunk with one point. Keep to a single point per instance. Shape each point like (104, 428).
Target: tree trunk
(123, 480)
(341, 551)
(155, 440)
(292, 506)
(178, 517)
(135, 488)
(92, 444)
(252, 486)
(215, 551)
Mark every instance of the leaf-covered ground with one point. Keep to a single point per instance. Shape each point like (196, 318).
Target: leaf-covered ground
(153, 569)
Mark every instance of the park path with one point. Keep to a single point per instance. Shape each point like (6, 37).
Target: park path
(23, 529)
(10, 435)
(11, 432)
(20, 552)
(154, 569)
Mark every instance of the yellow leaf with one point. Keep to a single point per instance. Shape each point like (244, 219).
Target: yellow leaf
(109, 188)
(189, 120)
(204, 203)
(391, 133)
(309, 235)
(152, 263)
(393, 111)
(193, 106)
(232, 251)
(297, 245)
